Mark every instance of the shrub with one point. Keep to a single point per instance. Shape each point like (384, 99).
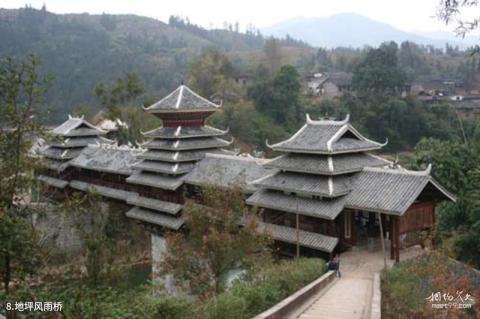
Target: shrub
(405, 288)
(263, 289)
(170, 308)
(226, 305)
(257, 296)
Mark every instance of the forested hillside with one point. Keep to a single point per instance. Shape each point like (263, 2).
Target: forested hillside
(81, 50)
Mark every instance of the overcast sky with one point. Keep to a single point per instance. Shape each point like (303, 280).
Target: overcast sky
(408, 15)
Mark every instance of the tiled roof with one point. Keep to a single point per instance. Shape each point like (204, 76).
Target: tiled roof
(51, 181)
(340, 78)
(155, 204)
(155, 218)
(322, 208)
(156, 180)
(84, 131)
(182, 99)
(102, 190)
(72, 142)
(76, 126)
(184, 132)
(325, 164)
(60, 153)
(227, 171)
(186, 144)
(55, 165)
(309, 184)
(179, 156)
(306, 239)
(326, 137)
(111, 159)
(167, 168)
(390, 191)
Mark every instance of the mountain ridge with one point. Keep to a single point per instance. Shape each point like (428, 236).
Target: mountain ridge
(367, 32)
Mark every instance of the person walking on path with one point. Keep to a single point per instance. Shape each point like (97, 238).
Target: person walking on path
(334, 265)
(336, 261)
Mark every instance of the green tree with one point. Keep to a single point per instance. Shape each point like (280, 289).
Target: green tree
(102, 229)
(21, 97)
(117, 99)
(215, 243)
(278, 97)
(210, 73)
(123, 91)
(456, 165)
(378, 72)
(286, 86)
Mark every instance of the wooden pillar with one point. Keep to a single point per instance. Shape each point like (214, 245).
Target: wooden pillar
(397, 239)
(382, 240)
(392, 236)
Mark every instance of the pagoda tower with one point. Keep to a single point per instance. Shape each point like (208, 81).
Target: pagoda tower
(316, 172)
(172, 151)
(69, 139)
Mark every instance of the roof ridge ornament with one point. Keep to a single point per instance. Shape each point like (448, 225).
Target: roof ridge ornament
(428, 170)
(385, 143)
(231, 142)
(394, 164)
(268, 145)
(225, 131)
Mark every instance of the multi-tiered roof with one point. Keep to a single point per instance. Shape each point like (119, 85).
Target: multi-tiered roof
(172, 151)
(68, 141)
(315, 173)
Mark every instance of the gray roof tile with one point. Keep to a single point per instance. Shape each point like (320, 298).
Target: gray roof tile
(306, 183)
(182, 99)
(156, 180)
(80, 141)
(155, 218)
(155, 204)
(76, 127)
(55, 165)
(390, 191)
(60, 153)
(51, 181)
(102, 190)
(306, 239)
(167, 168)
(186, 144)
(179, 156)
(319, 164)
(322, 208)
(104, 158)
(326, 137)
(184, 132)
(227, 171)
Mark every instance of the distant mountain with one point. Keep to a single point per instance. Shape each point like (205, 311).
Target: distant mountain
(80, 50)
(349, 30)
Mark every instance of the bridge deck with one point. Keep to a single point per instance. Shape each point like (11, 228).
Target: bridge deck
(351, 295)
